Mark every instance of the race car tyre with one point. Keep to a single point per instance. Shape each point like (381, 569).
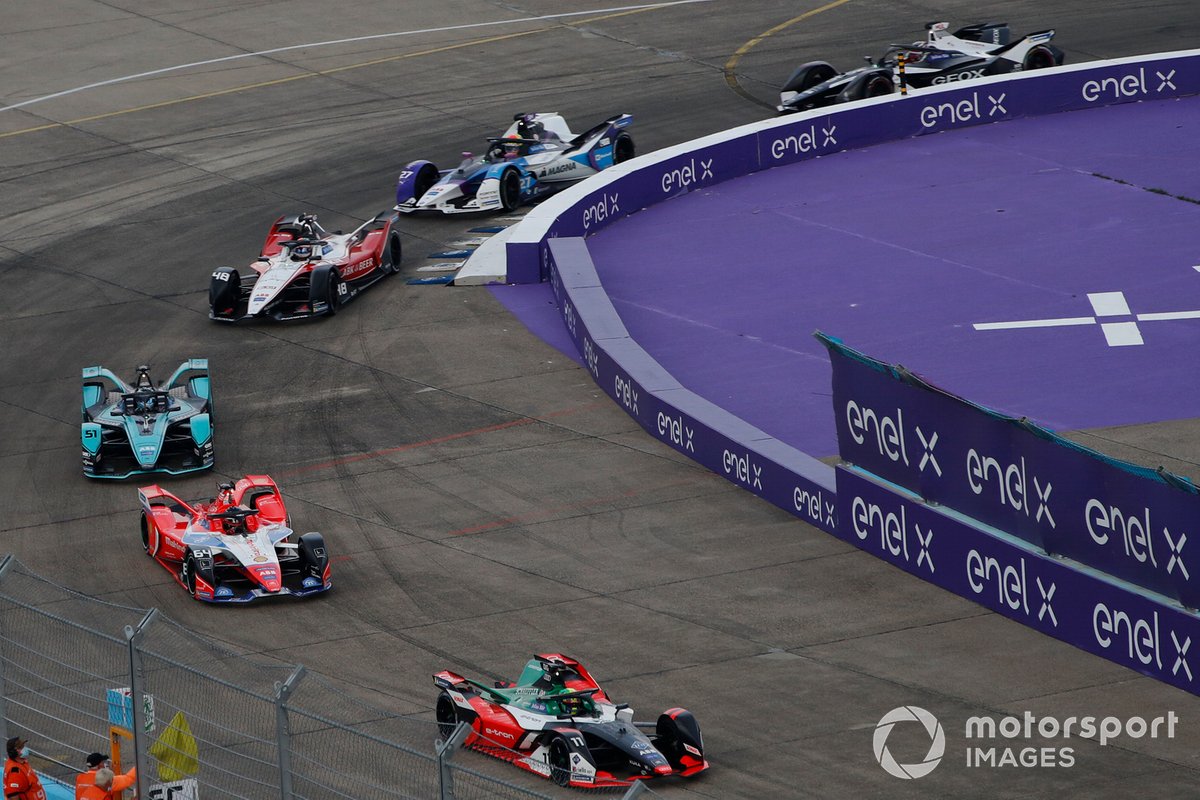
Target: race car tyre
(878, 86)
(560, 761)
(313, 555)
(427, 176)
(510, 190)
(447, 715)
(1039, 57)
(391, 255)
(674, 731)
(623, 148)
(187, 573)
(327, 286)
(224, 292)
(146, 536)
(809, 75)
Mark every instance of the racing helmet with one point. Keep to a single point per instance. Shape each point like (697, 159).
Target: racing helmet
(513, 147)
(302, 252)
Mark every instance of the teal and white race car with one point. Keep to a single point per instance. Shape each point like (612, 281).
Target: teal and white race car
(132, 430)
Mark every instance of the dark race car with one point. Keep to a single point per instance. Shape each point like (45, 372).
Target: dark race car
(537, 155)
(557, 722)
(971, 52)
(235, 547)
(132, 430)
(305, 271)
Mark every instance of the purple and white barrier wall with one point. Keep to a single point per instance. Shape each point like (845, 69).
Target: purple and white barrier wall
(1064, 499)
(1095, 513)
(1092, 611)
(646, 180)
(725, 444)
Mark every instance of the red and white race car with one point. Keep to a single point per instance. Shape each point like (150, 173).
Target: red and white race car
(557, 722)
(304, 270)
(235, 547)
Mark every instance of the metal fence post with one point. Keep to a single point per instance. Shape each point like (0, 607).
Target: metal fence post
(445, 752)
(283, 731)
(137, 677)
(5, 565)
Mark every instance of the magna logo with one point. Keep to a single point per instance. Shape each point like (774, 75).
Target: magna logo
(965, 110)
(1133, 84)
(605, 207)
(686, 175)
(804, 142)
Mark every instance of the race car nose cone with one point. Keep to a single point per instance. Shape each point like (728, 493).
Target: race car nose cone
(662, 769)
(268, 578)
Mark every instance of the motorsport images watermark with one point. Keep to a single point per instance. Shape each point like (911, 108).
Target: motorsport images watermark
(1009, 741)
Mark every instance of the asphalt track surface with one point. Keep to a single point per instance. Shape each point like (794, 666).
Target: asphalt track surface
(484, 499)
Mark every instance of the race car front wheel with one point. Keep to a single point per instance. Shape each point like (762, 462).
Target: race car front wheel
(447, 715)
(560, 761)
(187, 574)
(337, 291)
(510, 190)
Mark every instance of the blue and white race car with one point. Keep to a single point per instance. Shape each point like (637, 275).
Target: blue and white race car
(536, 156)
(131, 430)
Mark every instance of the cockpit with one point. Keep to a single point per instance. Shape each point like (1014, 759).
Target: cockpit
(145, 403)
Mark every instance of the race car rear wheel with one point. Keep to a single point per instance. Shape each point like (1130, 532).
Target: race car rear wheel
(337, 291)
(560, 761)
(623, 149)
(510, 190)
(447, 715)
(146, 534)
(391, 255)
(877, 86)
(808, 75)
(1039, 57)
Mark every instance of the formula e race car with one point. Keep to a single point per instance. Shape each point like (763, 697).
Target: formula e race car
(557, 722)
(305, 271)
(970, 52)
(536, 156)
(234, 548)
(131, 430)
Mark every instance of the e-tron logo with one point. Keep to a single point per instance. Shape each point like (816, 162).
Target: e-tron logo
(937, 742)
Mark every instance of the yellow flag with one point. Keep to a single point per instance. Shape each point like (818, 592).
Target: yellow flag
(176, 751)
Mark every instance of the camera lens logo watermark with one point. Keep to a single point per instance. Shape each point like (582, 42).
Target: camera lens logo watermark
(937, 742)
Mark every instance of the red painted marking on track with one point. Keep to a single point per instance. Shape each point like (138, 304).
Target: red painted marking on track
(411, 446)
(547, 513)
(439, 440)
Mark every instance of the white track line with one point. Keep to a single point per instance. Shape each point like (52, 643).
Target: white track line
(224, 59)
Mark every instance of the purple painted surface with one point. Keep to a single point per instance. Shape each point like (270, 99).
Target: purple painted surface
(534, 305)
(900, 248)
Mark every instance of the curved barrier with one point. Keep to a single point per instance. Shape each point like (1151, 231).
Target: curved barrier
(629, 187)
(1099, 613)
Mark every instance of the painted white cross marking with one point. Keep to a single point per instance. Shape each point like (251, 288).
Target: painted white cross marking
(1104, 304)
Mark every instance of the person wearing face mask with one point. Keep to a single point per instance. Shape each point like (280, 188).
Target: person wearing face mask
(20, 781)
